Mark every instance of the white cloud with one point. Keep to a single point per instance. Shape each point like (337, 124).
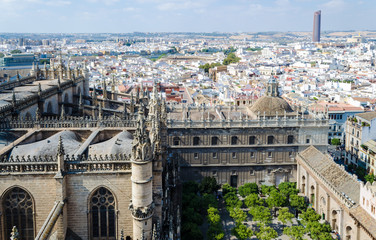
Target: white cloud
(129, 9)
(333, 4)
(181, 5)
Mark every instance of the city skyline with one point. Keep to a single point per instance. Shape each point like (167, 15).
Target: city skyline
(95, 16)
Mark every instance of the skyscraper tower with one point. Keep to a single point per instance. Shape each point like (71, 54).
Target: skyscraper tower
(316, 26)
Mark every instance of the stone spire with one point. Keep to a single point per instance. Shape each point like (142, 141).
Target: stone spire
(104, 90)
(60, 157)
(14, 100)
(62, 113)
(132, 103)
(60, 147)
(100, 111)
(58, 83)
(138, 95)
(39, 90)
(113, 84)
(141, 150)
(37, 114)
(68, 70)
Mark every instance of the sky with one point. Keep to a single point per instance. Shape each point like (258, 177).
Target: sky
(124, 16)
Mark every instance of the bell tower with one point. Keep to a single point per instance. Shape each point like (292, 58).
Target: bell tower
(272, 87)
(142, 206)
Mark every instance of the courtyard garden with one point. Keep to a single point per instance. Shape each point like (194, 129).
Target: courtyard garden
(211, 211)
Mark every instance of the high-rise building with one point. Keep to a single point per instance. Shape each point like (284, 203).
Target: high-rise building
(316, 26)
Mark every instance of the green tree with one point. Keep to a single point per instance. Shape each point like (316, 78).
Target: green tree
(215, 231)
(209, 200)
(190, 215)
(229, 50)
(208, 185)
(261, 214)
(191, 231)
(360, 172)
(207, 66)
(324, 236)
(288, 188)
(295, 232)
(253, 200)
(370, 178)
(213, 215)
(1, 55)
(318, 230)
(309, 216)
(265, 190)
(266, 233)
(226, 188)
(238, 215)
(190, 187)
(276, 199)
(232, 201)
(336, 141)
(231, 58)
(284, 215)
(240, 231)
(247, 189)
(298, 202)
(15, 51)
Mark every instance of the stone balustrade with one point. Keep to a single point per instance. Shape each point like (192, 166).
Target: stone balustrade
(243, 123)
(68, 122)
(72, 164)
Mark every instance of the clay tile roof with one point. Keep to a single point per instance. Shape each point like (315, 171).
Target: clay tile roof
(365, 220)
(332, 172)
(367, 115)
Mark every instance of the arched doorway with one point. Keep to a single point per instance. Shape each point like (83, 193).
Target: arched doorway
(322, 207)
(303, 184)
(348, 233)
(334, 220)
(312, 196)
(18, 211)
(102, 215)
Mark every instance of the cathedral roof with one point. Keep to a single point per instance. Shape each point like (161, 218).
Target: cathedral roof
(48, 147)
(119, 144)
(270, 105)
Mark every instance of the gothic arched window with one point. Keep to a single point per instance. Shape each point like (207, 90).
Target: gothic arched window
(102, 215)
(18, 211)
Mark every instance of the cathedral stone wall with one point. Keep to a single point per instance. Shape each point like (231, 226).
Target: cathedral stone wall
(79, 190)
(42, 189)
